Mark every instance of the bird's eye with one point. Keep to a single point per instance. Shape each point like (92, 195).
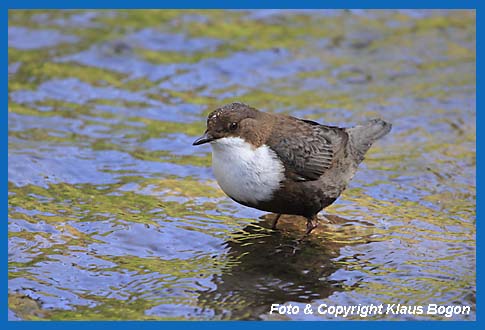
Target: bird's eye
(233, 126)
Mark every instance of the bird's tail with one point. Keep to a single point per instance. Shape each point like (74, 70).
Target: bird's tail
(363, 135)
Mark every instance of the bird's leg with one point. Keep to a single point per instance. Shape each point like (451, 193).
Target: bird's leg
(275, 221)
(311, 223)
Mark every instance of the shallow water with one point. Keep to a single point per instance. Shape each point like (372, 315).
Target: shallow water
(113, 214)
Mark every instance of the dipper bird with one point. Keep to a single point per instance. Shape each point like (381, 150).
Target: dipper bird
(282, 164)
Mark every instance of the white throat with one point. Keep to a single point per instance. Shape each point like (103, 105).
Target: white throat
(246, 173)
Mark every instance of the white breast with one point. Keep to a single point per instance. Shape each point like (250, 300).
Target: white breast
(245, 173)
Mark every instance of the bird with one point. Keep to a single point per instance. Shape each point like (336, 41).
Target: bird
(282, 164)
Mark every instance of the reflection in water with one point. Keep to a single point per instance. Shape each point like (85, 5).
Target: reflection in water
(274, 267)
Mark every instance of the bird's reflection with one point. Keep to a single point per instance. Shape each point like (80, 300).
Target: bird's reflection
(267, 267)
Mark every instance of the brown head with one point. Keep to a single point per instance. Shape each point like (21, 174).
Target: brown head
(237, 120)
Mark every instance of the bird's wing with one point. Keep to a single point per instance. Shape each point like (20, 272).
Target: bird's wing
(308, 150)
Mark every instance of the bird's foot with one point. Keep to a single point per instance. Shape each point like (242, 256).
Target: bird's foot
(311, 223)
(275, 221)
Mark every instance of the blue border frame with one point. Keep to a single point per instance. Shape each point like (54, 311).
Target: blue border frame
(479, 158)
(253, 4)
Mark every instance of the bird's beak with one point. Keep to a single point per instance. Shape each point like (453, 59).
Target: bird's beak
(203, 139)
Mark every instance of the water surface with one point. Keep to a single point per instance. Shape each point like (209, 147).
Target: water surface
(114, 215)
